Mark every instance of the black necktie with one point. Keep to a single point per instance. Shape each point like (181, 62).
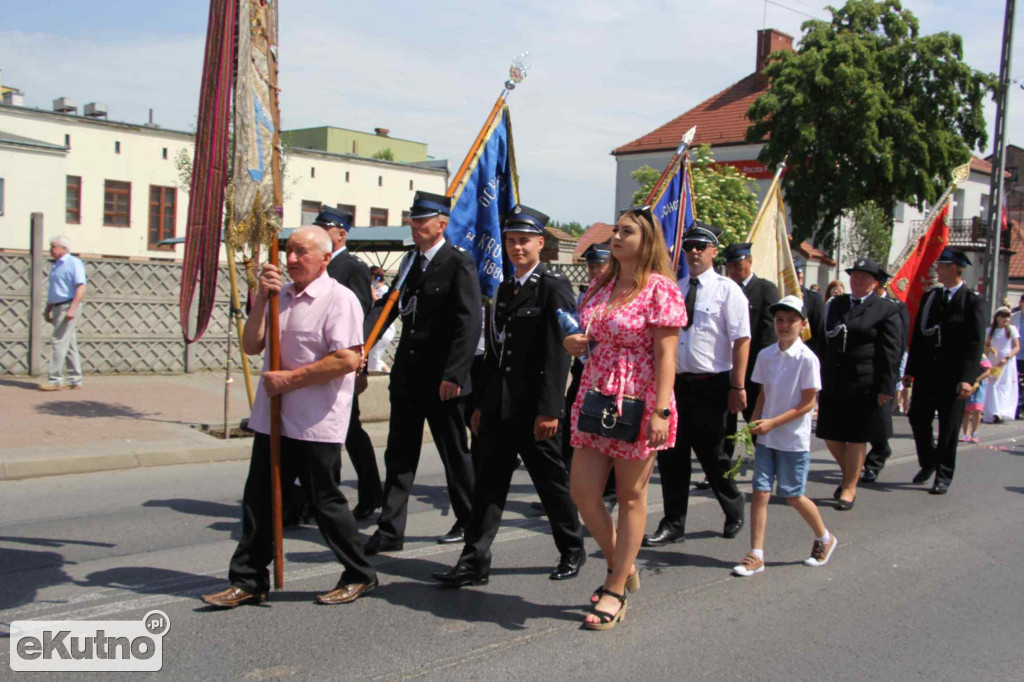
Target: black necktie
(948, 296)
(856, 302)
(691, 301)
(515, 287)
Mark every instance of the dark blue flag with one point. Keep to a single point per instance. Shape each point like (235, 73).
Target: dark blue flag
(488, 192)
(674, 222)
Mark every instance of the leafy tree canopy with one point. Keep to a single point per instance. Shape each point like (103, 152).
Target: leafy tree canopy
(869, 234)
(867, 109)
(722, 195)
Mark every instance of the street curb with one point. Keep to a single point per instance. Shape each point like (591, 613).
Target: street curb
(39, 468)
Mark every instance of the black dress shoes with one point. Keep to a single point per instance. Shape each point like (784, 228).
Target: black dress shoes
(703, 485)
(837, 492)
(868, 476)
(732, 528)
(461, 576)
(665, 535)
(365, 511)
(923, 475)
(568, 566)
(940, 488)
(538, 506)
(377, 544)
(456, 534)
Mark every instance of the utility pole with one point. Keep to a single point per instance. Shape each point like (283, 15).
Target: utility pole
(995, 203)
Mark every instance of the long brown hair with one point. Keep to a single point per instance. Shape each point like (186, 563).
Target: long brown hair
(653, 256)
(995, 318)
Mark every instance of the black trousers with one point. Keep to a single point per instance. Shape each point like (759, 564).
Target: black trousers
(703, 405)
(364, 460)
(880, 450)
(503, 441)
(447, 421)
(928, 399)
(576, 376)
(476, 376)
(318, 466)
(732, 420)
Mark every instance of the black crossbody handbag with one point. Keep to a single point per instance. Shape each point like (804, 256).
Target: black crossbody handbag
(599, 413)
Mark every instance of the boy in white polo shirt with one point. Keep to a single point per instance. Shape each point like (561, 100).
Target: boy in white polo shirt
(789, 374)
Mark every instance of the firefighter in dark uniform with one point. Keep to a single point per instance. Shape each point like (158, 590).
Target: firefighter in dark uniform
(943, 363)
(354, 274)
(522, 401)
(430, 378)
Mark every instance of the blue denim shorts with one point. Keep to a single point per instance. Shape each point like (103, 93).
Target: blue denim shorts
(788, 468)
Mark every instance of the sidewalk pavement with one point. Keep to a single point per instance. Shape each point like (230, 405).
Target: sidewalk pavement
(129, 421)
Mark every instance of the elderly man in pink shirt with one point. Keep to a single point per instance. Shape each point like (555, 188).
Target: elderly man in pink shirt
(321, 325)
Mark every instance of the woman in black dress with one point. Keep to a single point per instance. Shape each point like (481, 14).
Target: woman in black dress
(858, 373)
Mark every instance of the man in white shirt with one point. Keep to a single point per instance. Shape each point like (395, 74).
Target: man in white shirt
(711, 365)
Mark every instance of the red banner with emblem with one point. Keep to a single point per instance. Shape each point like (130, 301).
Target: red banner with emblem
(912, 280)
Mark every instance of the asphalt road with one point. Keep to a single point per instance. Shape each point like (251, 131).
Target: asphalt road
(921, 587)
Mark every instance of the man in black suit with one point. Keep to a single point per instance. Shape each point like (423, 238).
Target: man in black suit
(522, 403)
(943, 364)
(761, 294)
(814, 304)
(880, 450)
(354, 274)
(430, 378)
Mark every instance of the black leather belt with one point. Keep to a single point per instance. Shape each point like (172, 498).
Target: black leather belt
(62, 302)
(695, 376)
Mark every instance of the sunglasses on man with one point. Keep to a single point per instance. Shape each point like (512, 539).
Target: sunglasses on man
(695, 246)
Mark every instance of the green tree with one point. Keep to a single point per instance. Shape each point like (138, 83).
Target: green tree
(869, 234)
(384, 154)
(867, 109)
(722, 195)
(573, 227)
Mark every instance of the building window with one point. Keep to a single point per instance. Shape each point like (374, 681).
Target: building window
(380, 180)
(410, 185)
(378, 216)
(984, 206)
(312, 172)
(67, 140)
(164, 154)
(162, 207)
(405, 217)
(73, 208)
(117, 147)
(117, 203)
(350, 209)
(355, 147)
(310, 210)
(958, 204)
(346, 176)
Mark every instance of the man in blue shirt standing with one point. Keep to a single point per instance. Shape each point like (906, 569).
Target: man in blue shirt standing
(63, 305)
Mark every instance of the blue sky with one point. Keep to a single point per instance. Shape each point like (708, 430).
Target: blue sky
(604, 71)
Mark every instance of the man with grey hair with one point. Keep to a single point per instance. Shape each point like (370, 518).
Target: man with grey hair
(321, 324)
(63, 305)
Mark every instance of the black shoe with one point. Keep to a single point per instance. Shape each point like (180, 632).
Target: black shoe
(665, 535)
(732, 528)
(365, 511)
(461, 576)
(703, 485)
(838, 491)
(537, 505)
(456, 534)
(940, 488)
(923, 475)
(568, 566)
(868, 476)
(843, 505)
(377, 544)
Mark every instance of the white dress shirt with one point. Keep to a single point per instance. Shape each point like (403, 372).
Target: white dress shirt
(429, 254)
(720, 317)
(522, 280)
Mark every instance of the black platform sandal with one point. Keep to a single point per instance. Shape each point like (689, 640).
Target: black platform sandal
(608, 620)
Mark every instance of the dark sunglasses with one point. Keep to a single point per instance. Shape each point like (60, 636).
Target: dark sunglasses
(640, 210)
(694, 246)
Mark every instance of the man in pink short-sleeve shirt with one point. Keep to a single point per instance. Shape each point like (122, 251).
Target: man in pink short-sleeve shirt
(321, 326)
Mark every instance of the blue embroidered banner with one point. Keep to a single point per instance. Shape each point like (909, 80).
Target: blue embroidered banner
(673, 221)
(488, 192)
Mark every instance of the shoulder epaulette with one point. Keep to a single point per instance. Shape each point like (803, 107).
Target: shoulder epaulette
(552, 274)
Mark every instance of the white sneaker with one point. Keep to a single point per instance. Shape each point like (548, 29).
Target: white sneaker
(821, 552)
(750, 565)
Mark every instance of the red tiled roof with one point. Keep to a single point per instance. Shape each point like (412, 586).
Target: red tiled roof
(982, 166)
(1016, 269)
(559, 234)
(810, 253)
(721, 119)
(598, 233)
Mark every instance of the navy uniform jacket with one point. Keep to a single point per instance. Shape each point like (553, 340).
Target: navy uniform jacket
(354, 274)
(526, 365)
(948, 339)
(814, 308)
(760, 295)
(440, 325)
(866, 356)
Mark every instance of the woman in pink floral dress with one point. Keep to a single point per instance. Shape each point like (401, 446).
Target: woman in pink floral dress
(633, 314)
